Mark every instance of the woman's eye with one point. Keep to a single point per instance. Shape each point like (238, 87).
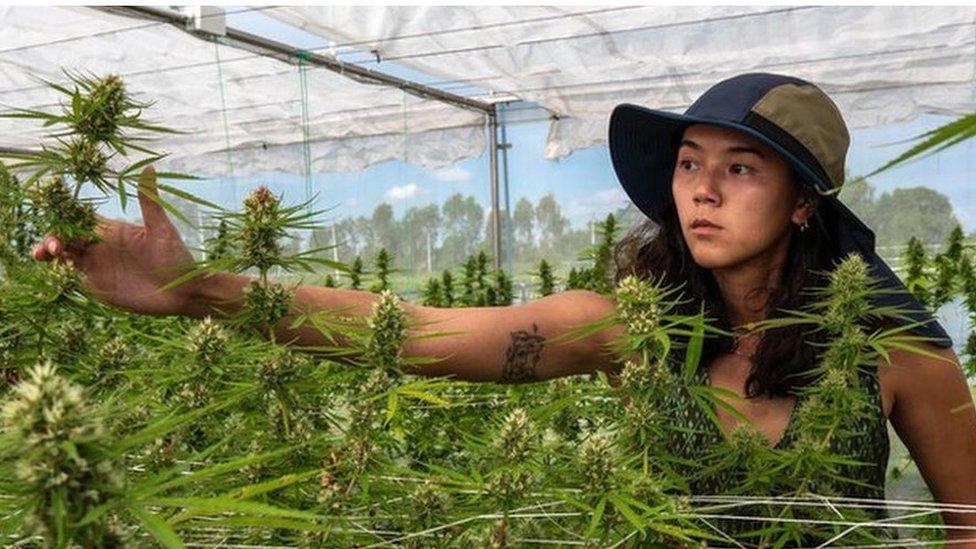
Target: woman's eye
(686, 164)
(740, 169)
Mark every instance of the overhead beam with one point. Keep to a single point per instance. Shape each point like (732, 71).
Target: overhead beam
(289, 54)
(284, 52)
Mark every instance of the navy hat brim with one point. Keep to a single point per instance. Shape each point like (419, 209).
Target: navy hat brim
(643, 148)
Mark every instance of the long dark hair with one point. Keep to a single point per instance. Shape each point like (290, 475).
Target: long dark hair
(784, 356)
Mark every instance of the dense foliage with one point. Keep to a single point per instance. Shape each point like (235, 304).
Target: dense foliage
(120, 429)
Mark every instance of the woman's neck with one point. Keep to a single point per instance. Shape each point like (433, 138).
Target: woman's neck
(747, 287)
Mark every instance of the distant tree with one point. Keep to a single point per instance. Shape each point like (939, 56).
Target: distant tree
(385, 229)
(550, 220)
(858, 195)
(417, 224)
(523, 223)
(462, 218)
(916, 211)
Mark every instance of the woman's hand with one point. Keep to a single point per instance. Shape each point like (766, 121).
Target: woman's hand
(130, 263)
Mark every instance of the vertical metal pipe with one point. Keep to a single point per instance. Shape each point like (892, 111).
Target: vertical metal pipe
(496, 240)
(503, 146)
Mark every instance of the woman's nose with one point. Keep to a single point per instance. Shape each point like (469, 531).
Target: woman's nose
(706, 189)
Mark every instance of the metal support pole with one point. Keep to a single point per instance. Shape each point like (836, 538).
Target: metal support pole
(503, 146)
(496, 240)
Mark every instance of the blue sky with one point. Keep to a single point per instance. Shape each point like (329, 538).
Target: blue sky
(583, 183)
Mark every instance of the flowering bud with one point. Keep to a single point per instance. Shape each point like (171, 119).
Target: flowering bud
(508, 486)
(388, 325)
(57, 436)
(86, 161)
(745, 439)
(260, 231)
(207, 341)
(104, 105)
(516, 437)
(74, 338)
(61, 213)
(639, 305)
(596, 463)
(113, 357)
(63, 278)
(430, 504)
(267, 304)
(848, 294)
(278, 370)
(847, 350)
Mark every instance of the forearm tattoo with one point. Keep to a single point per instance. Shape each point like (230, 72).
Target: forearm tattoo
(523, 356)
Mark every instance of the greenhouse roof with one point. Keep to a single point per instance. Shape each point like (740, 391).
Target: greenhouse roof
(880, 64)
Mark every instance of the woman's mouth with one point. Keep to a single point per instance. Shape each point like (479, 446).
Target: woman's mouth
(703, 227)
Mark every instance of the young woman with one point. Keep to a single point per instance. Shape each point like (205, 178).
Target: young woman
(739, 195)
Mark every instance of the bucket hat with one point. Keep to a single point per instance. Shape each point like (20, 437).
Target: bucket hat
(796, 119)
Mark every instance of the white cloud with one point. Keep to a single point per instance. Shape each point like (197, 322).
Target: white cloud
(406, 191)
(595, 205)
(615, 197)
(454, 174)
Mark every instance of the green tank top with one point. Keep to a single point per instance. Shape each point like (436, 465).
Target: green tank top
(695, 433)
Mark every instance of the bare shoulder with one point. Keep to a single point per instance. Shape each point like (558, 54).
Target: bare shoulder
(918, 377)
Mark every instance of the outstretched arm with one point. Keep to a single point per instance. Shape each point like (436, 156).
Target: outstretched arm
(130, 264)
(509, 344)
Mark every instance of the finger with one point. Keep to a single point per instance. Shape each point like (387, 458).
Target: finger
(153, 214)
(53, 245)
(40, 253)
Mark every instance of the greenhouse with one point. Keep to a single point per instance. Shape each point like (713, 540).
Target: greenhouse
(374, 276)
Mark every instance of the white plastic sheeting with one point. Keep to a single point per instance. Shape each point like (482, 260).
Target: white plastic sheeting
(880, 64)
(257, 100)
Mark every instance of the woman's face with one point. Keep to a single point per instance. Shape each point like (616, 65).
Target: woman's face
(740, 185)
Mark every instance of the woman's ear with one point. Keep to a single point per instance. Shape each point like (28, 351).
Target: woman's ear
(806, 204)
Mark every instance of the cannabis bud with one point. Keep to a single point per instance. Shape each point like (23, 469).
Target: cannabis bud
(207, 341)
(261, 229)
(507, 486)
(516, 437)
(268, 303)
(849, 292)
(641, 378)
(86, 161)
(57, 435)
(63, 279)
(114, 354)
(639, 305)
(74, 338)
(102, 107)
(847, 351)
(430, 503)
(278, 371)
(596, 463)
(61, 213)
(388, 332)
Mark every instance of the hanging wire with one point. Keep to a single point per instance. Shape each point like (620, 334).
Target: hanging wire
(223, 111)
(110, 32)
(306, 145)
